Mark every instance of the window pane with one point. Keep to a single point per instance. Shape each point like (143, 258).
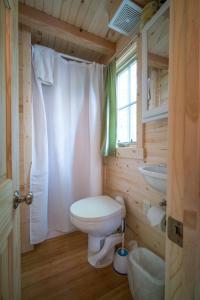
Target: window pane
(133, 87)
(122, 89)
(133, 123)
(123, 125)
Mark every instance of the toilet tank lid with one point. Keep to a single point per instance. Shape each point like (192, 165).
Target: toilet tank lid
(93, 208)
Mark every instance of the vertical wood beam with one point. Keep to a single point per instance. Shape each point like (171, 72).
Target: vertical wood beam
(183, 264)
(25, 131)
(8, 93)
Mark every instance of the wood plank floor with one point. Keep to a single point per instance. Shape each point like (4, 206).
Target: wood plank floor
(58, 269)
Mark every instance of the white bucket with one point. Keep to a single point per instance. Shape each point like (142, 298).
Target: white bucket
(146, 275)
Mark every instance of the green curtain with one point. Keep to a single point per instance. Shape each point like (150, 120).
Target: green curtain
(109, 120)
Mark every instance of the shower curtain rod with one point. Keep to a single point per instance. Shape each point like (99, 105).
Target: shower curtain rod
(75, 58)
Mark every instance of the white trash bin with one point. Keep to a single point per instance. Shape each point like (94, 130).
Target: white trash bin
(146, 275)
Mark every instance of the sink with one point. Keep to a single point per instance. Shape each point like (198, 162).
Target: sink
(156, 176)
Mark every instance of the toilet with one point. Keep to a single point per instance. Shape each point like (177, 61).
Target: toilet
(99, 217)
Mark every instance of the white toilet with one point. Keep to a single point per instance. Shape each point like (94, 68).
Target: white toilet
(99, 217)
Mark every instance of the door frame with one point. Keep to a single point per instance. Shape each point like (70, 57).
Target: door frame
(183, 194)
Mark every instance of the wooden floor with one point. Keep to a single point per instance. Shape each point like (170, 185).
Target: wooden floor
(58, 269)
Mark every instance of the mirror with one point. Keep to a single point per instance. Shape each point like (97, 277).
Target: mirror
(155, 65)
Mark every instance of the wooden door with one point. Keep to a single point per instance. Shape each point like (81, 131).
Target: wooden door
(9, 218)
(183, 263)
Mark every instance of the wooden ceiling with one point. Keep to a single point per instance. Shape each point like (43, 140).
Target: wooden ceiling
(91, 38)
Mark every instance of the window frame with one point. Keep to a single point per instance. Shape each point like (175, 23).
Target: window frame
(127, 66)
(136, 150)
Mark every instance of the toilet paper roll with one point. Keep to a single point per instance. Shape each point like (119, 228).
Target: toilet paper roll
(157, 217)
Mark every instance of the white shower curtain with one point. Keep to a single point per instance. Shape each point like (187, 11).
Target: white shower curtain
(66, 160)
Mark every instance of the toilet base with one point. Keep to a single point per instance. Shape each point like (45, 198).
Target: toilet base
(101, 249)
(106, 261)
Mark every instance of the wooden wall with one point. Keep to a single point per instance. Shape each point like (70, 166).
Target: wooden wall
(122, 177)
(25, 123)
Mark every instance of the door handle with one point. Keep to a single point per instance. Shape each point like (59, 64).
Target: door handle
(19, 198)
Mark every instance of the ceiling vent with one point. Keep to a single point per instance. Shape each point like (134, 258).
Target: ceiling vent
(126, 18)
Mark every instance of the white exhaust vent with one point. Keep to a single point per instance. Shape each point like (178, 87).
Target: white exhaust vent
(126, 19)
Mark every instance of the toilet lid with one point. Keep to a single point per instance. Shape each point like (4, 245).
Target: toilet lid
(95, 208)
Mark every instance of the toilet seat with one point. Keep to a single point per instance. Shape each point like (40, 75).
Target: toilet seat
(93, 209)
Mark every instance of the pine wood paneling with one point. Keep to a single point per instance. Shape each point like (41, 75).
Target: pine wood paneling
(58, 269)
(122, 177)
(25, 129)
(156, 141)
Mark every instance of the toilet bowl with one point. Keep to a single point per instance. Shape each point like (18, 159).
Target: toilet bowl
(99, 217)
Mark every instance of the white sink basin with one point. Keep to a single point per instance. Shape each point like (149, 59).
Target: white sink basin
(156, 176)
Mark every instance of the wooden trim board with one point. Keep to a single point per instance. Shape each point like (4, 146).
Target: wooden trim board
(41, 21)
(25, 129)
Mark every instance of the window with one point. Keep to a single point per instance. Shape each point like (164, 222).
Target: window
(126, 104)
